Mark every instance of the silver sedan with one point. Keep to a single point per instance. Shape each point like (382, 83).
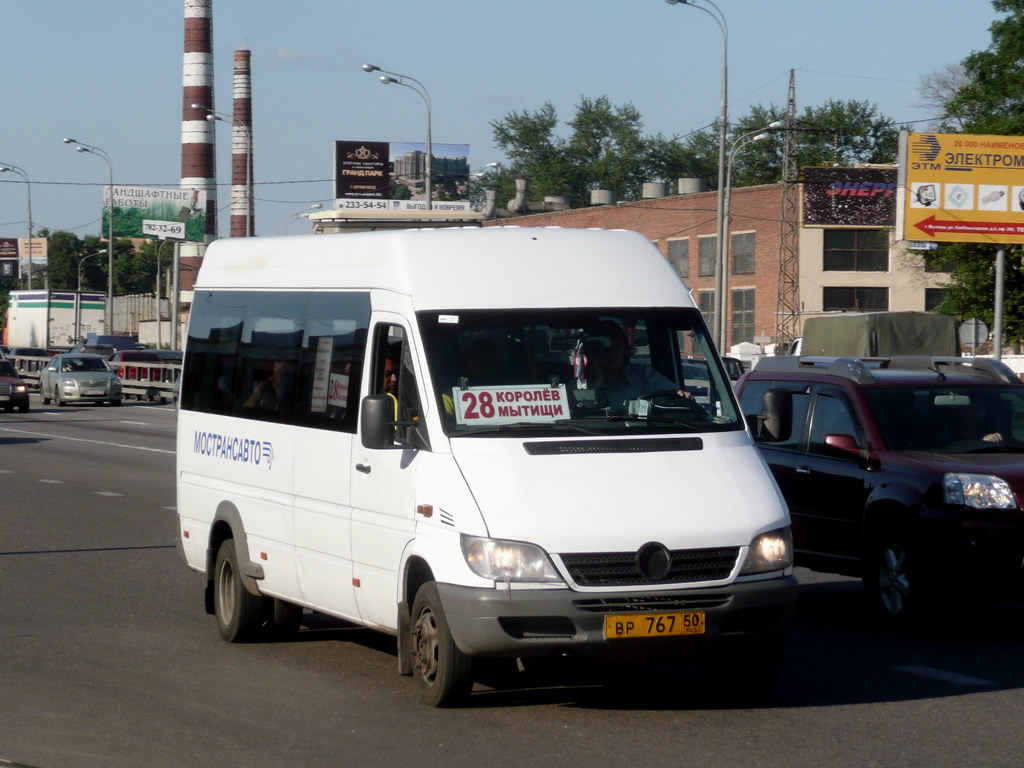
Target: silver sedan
(78, 378)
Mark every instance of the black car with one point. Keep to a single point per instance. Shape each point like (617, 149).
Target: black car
(906, 472)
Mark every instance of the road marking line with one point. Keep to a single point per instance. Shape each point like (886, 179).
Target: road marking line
(83, 440)
(52, 482)
(108, 493)
(139, 423)
(944, 676)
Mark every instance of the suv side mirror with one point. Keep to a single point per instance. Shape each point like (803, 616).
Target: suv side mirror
(843, 446)
(776, 416)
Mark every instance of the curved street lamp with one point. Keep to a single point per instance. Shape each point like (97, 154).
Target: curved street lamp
(78, 307)
(108, 314)
(304, 214)
(212, 114)
(741, 141)
(387, 78)
(12, 168)
(719, 332)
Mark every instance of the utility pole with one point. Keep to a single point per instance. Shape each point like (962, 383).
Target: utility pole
(787, 313)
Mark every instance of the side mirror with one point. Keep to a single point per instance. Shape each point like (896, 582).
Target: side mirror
(377, 422)
(845, 447)
(776, 416)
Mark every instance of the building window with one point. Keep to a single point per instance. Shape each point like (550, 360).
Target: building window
(706, 303)
(856, 250)
(743, 254)
(743, 315)
(850, 299)
(679, 256)
(933, 297)
(707, 256)
(935, 263)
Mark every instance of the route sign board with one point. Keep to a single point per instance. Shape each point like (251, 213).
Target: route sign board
(960, 188)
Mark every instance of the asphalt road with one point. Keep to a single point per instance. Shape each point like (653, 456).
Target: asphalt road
(108, 659)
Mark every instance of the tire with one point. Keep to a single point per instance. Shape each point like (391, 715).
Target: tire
(24, 408)
(8, 409)
(285, 619)
(443, 671)
(60, 400)
(116, 403)
(237, 611)
(888, 578)
(43, 397)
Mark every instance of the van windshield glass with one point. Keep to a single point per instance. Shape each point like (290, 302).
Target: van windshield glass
(566, 371)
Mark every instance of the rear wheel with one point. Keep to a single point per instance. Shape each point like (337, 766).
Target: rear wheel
(443, 671)
(237, 611)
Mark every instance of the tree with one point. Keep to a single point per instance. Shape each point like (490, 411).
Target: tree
(989, 100)
(606, 149)
(844, 133)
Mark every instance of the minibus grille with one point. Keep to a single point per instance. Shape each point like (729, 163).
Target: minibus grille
(618, 569)
(5, 388)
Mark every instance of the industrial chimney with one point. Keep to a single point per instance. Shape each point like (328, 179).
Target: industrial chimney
(198, 165)
(242, 204)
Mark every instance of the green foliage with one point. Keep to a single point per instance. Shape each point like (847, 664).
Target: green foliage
(992, 101)
(606, 149)
(972, 286)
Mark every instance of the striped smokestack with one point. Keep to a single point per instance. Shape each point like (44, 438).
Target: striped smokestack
(198, 164)
(242, 204)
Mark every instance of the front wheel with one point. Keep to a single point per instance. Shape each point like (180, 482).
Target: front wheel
(116, 402)
(444, 672)
(237, 611)
(43, 397)
(57, 396)
(888, 578)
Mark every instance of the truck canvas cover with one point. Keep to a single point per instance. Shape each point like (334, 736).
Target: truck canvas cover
(881, 334)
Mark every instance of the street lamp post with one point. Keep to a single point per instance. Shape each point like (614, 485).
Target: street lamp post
(108, 314)
(214, 115)
(388, 78)
(721, 326)
(78, 308)
(10, 167)
(301, 214)
(738, 143)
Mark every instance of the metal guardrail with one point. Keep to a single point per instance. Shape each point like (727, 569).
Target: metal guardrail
(144, 381)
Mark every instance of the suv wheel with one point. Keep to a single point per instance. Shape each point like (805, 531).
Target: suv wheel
(889, 578)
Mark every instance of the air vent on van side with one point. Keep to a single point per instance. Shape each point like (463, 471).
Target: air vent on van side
(563, 447)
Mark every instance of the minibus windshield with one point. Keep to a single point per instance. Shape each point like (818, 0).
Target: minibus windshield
(561, 371)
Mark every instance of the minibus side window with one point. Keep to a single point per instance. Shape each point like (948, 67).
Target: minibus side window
(393, 375)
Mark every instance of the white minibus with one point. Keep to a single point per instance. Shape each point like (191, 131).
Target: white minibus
(482, 442)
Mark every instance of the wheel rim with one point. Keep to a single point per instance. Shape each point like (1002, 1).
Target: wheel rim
(226, 591)
(893, 583)
(425, 645)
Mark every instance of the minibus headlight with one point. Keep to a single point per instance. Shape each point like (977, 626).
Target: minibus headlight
(977, 491)
(507, 560)
(771, 551)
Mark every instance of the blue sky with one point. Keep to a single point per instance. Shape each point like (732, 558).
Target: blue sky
(108, 72)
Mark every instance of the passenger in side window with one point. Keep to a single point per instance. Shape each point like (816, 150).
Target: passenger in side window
(268, 395)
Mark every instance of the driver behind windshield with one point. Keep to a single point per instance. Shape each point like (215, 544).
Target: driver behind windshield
(613, 376)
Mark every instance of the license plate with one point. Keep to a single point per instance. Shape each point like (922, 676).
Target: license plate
(92, 392)
(5, 397)
(653, 625)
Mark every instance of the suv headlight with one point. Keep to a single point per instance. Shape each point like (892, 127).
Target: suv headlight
(977, 491)
(507, 560)
(771, 551)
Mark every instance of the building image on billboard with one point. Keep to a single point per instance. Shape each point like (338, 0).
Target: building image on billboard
(381, 170)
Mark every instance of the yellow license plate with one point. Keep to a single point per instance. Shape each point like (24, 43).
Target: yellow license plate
(653, 625)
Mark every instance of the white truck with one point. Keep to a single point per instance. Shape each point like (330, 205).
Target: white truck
(53, 319)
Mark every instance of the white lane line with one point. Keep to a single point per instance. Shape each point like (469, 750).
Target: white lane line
(6, 471)
(944, 676)
(139, 423)
(83, 440)
(108, 493)
(52, 482)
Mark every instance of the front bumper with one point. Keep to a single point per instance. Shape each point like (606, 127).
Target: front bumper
(549, 622)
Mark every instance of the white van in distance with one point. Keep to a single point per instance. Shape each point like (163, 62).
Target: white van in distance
(481, 441)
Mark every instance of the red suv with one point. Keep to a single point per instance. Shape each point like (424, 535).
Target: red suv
(125, 362)
(906, 472)
(13, 390)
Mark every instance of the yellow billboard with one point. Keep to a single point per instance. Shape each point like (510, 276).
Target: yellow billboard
(959, 188)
